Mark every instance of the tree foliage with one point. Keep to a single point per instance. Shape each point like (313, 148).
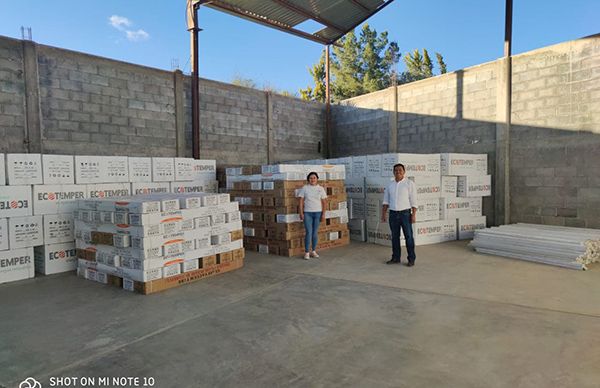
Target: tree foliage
(361, 65)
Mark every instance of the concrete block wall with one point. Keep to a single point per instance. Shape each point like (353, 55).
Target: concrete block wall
(455, 112)
(233, 122)
(297, 129)
(13, 123)
(60, 101)
(121, 109)
(361, 125)
(555, 135)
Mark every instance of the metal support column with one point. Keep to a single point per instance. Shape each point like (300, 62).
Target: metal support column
(328, 152)
(194, 30)
(502, 208)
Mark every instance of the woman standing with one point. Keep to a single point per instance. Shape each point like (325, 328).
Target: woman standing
(312, 212)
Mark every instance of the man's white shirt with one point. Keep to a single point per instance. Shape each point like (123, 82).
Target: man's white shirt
(400, 195)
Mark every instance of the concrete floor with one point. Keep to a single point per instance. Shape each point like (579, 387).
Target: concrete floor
(456, 319)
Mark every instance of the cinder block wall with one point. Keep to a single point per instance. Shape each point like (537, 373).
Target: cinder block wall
(13, 125)
(361, 125)
(60, 101)
(555, 137)
(115, 107)
(298, 129)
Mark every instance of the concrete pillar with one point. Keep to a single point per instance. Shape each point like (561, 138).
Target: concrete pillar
(502, 172)
(33, 111)
(393, 110)
(179, 90)
(270, 143)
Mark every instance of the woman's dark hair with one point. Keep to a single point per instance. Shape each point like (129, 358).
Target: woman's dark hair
(312, 173)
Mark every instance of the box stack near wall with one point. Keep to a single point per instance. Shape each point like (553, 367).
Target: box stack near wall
(36, 208)
(268, 198)
(450, 188)
(20, 230)
(154, 242)
(466, 181)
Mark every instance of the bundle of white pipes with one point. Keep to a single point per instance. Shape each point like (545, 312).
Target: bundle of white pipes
(555, 245)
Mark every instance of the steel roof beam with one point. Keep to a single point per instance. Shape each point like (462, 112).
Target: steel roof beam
(280, 26)
(308, 14)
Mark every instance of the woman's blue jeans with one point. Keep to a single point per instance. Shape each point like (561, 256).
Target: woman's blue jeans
(311, 227)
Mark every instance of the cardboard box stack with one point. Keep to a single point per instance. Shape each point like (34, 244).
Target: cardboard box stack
(36, 208)
(20, 229)
(154, 242)
(269, 206)
(450, 188)
(467, 181)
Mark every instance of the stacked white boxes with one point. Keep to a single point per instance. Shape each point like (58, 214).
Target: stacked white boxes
(469, 172)
(46, 189)
(151, 237)
(19, 229)
(449, 187)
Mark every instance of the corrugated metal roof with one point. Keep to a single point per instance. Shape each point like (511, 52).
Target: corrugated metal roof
(338, 16)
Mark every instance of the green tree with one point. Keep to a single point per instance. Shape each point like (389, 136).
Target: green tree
(316, 93)
(361, 65)
(419, 66)
(441, 63)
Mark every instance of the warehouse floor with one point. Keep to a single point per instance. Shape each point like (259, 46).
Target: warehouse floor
(456, 319)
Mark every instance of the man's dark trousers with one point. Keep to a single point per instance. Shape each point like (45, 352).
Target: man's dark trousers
(401, 219)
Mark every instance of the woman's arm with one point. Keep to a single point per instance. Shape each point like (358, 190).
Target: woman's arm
(301, 208)
(323, 207)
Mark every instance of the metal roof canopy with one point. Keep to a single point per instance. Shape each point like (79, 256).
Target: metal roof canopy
(338, 16)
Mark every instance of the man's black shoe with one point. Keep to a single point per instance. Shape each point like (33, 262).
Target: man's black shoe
(392, 261)
(410, 264)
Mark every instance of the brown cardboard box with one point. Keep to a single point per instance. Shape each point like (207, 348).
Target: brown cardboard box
(237, 235)
(102, 238)
(257, 240)
(268, 201)
(287, 201)
(286, 185)
(208, 261)
(239, 254)
(250, 246)
(241, 185)
(86, 254)
(225, 257)
(187, 277)
(293, 209)
(251, 170)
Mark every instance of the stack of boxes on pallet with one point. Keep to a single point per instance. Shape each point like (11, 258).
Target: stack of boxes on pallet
(269, 202)
(36, 208)
(450, 188)
(153, 242)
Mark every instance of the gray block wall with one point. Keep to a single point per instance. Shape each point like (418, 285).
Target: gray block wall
(555, 137)
(361, 125)
(13, 125)
(121, 109)
(298, 129)
(85, 104)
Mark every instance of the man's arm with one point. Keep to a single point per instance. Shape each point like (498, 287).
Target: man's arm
(412, 197)
(384, 211)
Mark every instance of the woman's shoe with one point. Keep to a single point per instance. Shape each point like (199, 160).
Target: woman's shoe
(306, 256)
(314, 254)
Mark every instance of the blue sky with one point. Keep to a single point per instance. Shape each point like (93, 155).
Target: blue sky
(153, 33)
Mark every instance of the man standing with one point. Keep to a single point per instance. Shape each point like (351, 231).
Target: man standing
(400, 197)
